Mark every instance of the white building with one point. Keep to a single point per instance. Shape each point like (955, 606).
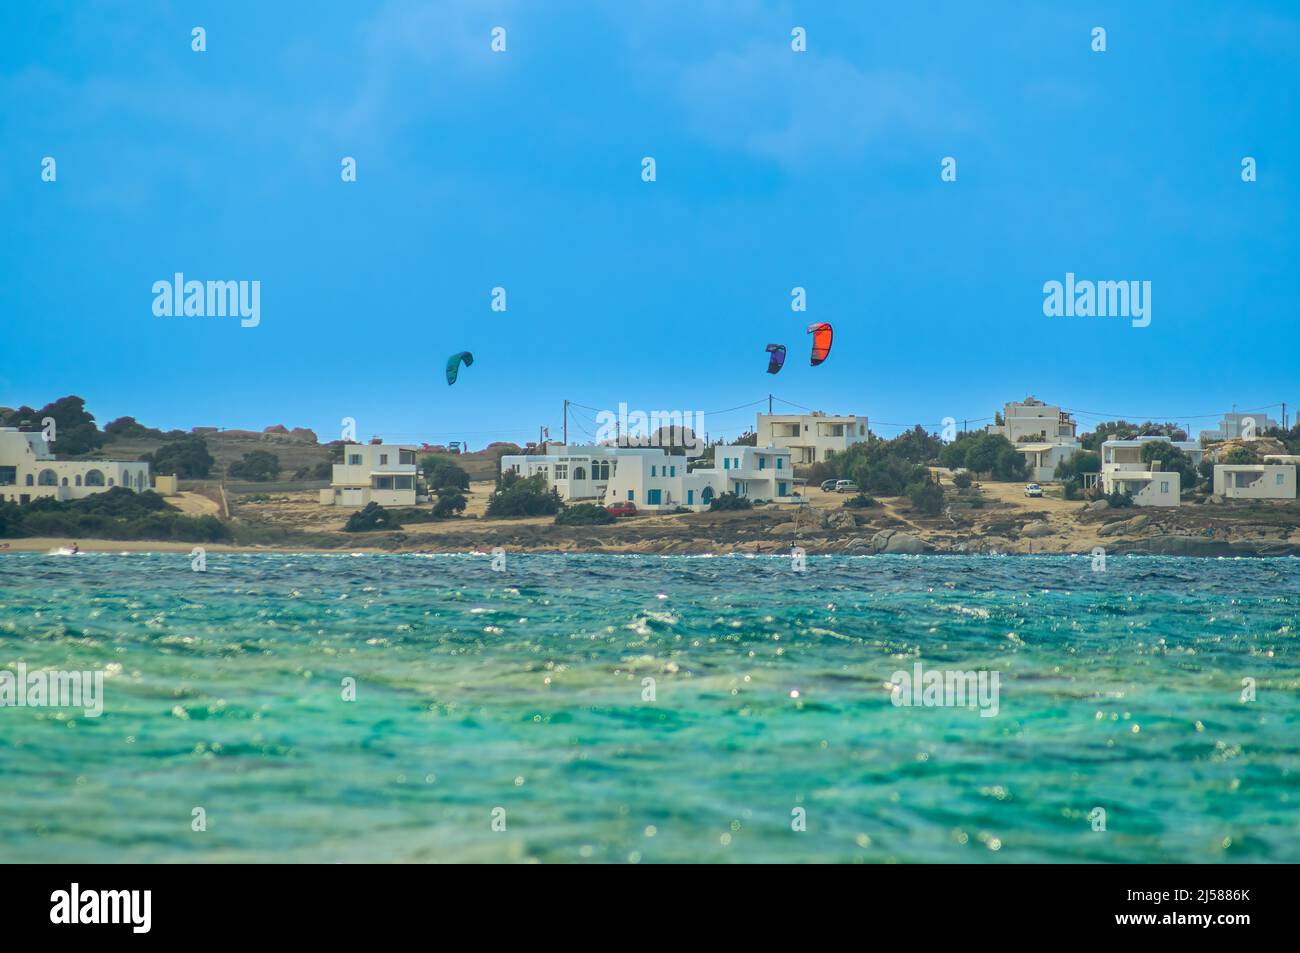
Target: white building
(1147, 487)
(1255, 481)
(28, 471)
(1123, 470)
(664, 483)
(383, 473)
(1043, 433)
(811, 438)
(1238, 425)
(1127, 454)
(577, 471)
(653, 479)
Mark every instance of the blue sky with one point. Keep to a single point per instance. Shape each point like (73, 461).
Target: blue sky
(522, 170)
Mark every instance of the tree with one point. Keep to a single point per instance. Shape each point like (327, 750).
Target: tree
(1171, 459)
(74, 427)
(451, 502)
(1123, 430)
(523, 496)
(1077, 464)
(440, 472)
(257, 465)
(926, 495)
(187, 458)
(127, 428)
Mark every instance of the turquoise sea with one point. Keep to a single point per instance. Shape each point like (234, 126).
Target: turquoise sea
(523, 691)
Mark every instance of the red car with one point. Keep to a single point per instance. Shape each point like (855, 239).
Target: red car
(622, 509)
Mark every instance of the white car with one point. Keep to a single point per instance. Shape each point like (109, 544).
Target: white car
(845, 486)
(1033, 489)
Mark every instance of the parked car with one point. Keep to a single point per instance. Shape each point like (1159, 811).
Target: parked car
(624, 508)
(828, 485)
(1033, 489)
(845, 486)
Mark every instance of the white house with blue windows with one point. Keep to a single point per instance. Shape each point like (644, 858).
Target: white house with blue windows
(663, 482)
(653, 479)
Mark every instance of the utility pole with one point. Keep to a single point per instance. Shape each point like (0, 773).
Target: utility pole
(769, 405)
(566, 423)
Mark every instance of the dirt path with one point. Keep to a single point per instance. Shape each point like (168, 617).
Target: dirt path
(195, 504)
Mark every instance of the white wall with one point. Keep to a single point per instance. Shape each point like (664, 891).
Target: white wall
(1149, 488)
(1255, 481)
(28, 471)
(811, 437)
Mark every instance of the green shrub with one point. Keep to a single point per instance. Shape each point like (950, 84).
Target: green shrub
(440, 472)
(517, 497)
(926, 496)
(584, 514)
(1119, 501)
(257, 466)
(729, 501)
(861, 501)
(117, 513)
(187, 458)
(450, 503)
(962, 481)
(370, 517)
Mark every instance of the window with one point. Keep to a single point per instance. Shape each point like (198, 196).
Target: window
(94, 478)
(653, 497)
(561, 471)
(383, 459)
(780, 463)
(78, 479)
(631, 496)
(1164, 486)
(8, 476)
(726, 463)
(381, 482)
(672, 472)
(404, 483)
(406, 457)
(580, 473)
(652, 471)
(47, 478)
(1279, 479)
(354, 459)
(762, 463)
(30, 481)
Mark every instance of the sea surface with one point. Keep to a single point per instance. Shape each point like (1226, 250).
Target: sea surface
(506, 716)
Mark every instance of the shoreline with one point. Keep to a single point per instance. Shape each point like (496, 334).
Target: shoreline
(1152, 546)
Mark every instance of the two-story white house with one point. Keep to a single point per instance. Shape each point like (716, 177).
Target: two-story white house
(1044, 434)
(811, 438)
(576, 471)
(1123, 470)
(663, 482)
(1255, 481)
(29, 471)
(383, 473)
